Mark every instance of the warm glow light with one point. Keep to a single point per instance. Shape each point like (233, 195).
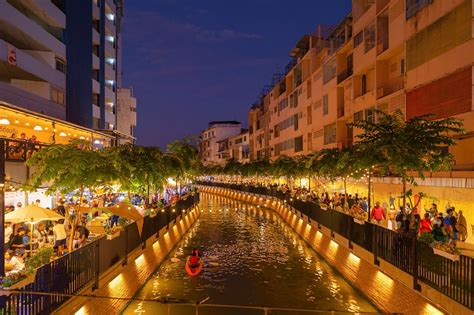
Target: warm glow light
(27, 124)
(17, 121)
(96, 141)
(4, 121)
(81, 137)
(37, 128)
(139, 258)
(62, 134)
(115, 281)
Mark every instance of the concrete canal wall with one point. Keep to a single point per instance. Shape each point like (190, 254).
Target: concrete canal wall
(124, 281)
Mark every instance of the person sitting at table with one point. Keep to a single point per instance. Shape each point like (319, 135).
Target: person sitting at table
(81, 236)
(17, 243)
(12, 262)
(41, 234)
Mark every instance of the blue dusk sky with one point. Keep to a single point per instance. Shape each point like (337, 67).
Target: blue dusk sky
(190, 61)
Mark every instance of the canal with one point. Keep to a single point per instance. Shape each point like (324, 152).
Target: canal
(252, 259)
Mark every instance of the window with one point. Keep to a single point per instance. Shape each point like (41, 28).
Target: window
(369, 37)
(245, 138)
(414, 6)
(358, 116)
(95, 50)
(325, 105)
(358, 39)
(282, 104)
(95, 75)
(95, 122)
(133, 109)
(309, 115)
(330, 133)
(402, 66)
(308, 88)
(132, 130)
(294, 99)
(364, 84)
(370, 115)
(329, 71)
(95, 99)
(299, 144)
(60, 65)
(57, 95)
(96, 25)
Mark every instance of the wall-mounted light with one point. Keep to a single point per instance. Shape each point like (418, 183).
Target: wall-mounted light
(17, 121)
(27, 124)
(38, 128)
(110, 16)
(62, 134)
(96, 141)
(110, 38)
(4, 121)
(81, 137)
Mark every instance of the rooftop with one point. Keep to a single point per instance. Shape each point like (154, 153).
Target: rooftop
(223, 122)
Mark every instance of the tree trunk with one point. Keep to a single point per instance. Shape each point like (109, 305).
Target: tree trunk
(369, 197)
(73, 222)
(404, 187)
(345, 192)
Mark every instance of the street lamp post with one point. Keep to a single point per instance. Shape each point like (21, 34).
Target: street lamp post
(2, 208)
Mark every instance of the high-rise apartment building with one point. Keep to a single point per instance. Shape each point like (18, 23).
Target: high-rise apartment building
(92, 43)
(126, 115)
(59, 58)
(33, 56)
(409, 55)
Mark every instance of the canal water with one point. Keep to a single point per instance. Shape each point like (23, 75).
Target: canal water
(252, 259)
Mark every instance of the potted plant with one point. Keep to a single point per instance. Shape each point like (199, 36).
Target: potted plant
(16, 280)
(113, 232)
(446, 250)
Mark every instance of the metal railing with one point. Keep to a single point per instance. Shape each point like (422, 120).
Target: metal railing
(454, 279)
(64, 277)
(344, 75)
(19, 150)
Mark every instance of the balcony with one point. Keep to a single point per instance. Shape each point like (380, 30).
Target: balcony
(344, 75)
(29, 33)
(391, 86)
(20, 151)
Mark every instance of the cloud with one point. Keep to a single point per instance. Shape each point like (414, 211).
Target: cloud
(219, 35)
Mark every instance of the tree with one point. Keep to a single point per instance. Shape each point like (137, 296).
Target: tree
(409, 148)
(140, 169)
(68, 167)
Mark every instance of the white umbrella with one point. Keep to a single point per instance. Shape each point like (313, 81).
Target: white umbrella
(32, 214)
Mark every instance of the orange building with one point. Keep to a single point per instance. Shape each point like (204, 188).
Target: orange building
(410, 55)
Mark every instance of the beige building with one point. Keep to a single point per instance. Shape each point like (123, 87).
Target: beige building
(238, 147)
(414, 56)
(213, 145)
(126, 115)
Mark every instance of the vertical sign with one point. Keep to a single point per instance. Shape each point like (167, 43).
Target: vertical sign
(11, 55)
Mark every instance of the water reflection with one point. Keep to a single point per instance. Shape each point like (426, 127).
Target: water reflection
(252, 258)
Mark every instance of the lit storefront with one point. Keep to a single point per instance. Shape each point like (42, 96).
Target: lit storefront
(23, 133)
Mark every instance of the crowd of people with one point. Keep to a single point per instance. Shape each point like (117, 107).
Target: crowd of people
(24, 239)
(447, 227)
(22, 147)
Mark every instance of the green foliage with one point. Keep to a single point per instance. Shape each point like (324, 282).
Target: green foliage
(67, 167)
(409, 148)
(40, 258)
